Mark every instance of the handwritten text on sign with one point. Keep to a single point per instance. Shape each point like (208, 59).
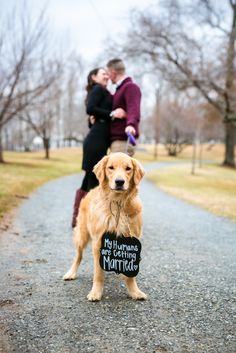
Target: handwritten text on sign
(120, 254)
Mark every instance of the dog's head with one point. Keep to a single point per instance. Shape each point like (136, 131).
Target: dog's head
(118, 171)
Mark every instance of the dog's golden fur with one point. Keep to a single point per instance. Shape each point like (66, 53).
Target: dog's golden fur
(113, 206)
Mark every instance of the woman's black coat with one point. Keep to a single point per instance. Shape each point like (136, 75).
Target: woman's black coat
(96, 143)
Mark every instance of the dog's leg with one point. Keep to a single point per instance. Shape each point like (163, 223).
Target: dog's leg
(98, 278)
(81, 240)
(133, 290)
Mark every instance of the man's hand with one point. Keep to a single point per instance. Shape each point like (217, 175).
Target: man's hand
(130, 129)
(92, 119)
(119, 113)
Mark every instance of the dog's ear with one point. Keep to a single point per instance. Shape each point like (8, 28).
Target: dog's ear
(138, 171)
(100, 168)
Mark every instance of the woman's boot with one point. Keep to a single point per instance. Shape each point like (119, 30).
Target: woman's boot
(78, 197)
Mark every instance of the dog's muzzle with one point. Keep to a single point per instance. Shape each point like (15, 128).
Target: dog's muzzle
(119, 184)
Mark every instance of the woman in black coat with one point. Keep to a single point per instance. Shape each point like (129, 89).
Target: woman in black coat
(99, 106)
(97, 142)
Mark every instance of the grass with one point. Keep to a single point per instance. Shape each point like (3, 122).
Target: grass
(211, 187)
(24, 172)
(213, 153)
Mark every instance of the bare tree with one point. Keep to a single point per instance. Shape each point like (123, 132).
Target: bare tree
(192, 52)
(22, 47)
(75, 123)
(70, 104)
(18, 136)
(212, 125)
(156, 120)
(41, 115)
(176, 126)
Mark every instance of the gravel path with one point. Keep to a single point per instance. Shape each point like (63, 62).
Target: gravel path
(187, 270)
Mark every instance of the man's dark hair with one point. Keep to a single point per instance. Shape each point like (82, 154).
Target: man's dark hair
(117, 65)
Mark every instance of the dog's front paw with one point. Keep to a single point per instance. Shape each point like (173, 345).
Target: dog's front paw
(138, 295)
(94, 296)
(69, 276)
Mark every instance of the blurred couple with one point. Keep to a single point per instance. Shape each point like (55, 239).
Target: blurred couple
(111, 119)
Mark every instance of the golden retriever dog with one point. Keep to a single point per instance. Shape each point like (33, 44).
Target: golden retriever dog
(113, 207)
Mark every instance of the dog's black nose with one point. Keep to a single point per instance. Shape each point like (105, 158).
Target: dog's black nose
(119, 182)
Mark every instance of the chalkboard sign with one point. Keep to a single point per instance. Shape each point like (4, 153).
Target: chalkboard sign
(120, 254)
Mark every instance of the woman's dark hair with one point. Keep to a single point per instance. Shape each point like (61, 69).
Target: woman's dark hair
(91, 82)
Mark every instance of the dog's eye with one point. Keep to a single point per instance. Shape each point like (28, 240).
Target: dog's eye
(127, 168)
(111, 167)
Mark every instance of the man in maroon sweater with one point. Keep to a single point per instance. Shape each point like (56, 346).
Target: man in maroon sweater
(127, 97)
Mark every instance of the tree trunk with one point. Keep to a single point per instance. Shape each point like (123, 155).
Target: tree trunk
(200, 155)
(155, 149)
(194, 156)
(230, 127)
(46, 144)
(1, 147)
(230, 136)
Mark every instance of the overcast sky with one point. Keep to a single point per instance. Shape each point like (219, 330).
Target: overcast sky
(83, 25)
